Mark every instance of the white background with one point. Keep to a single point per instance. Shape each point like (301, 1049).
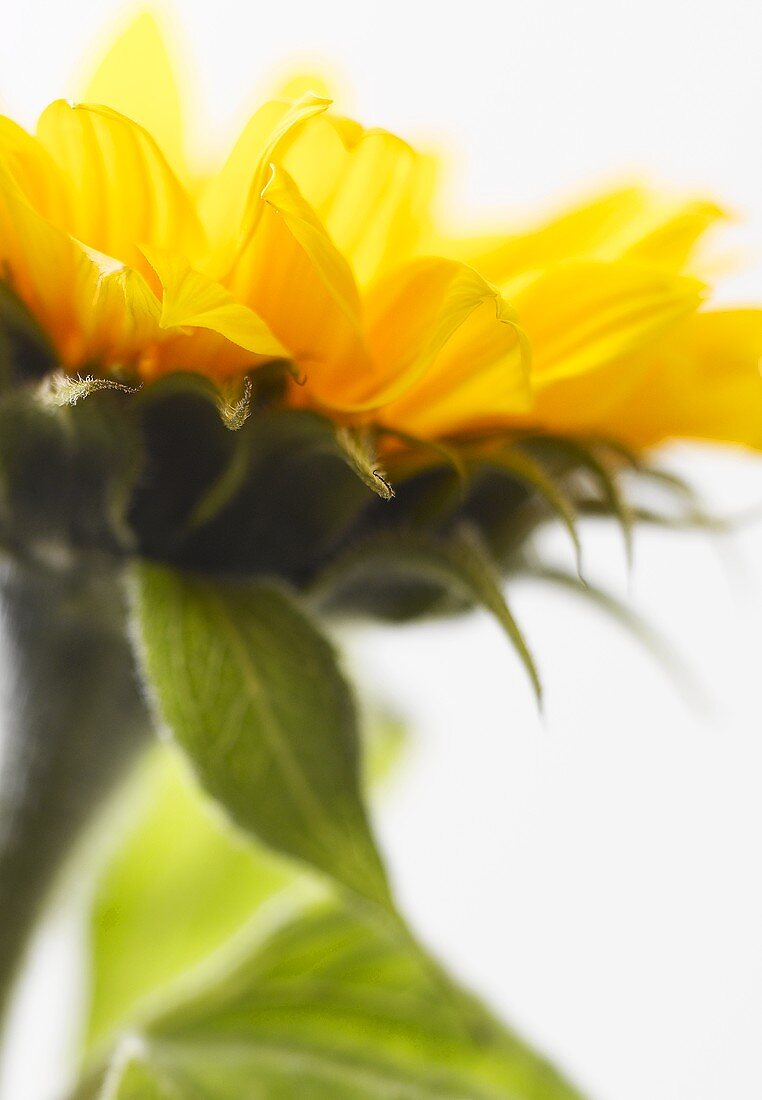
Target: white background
(595, 874)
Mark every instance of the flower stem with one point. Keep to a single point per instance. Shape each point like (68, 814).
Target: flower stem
(73, 718)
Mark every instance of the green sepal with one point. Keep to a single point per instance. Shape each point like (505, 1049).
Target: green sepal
(659, 647)
(252, 693)
(60, 389)
(186, 448)
(272, 497)
(589, 457)
(234, 402)
(518, 463)
(419, 453)
(26, 354)
(692, 519)
(66, 475)
(358, 445)
(400, 574)
(675, 488)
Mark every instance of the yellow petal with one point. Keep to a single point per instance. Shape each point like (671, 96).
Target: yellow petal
(230, 205)
(38, 261)
(433, 325)
(91, 307)
(122, 191)
(118, 314)
(479, 380)
(629, 222)
(582, 315)
(191, 300)
(198, 349)
(283, 196)
(292, 275)
(301, 83)
(136, 78)
(34, 172)
(370, 189)
(669, 233)
(704, 383)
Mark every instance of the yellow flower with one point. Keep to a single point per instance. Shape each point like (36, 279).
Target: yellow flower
(314, 243)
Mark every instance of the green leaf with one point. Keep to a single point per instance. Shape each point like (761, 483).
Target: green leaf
(178, 885)
(332, 1005)
(133, 1078)
(179, 869)
(312, 997)
(252, 692)
(386, 736)
(459, 565)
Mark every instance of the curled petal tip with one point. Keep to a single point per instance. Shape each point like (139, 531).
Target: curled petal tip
(269, 182)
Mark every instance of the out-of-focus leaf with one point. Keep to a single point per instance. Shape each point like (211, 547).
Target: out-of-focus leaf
(385, 736)
(134, 1078)
(252, 693)
(332, 1005)
(180, 883)
(312, 998)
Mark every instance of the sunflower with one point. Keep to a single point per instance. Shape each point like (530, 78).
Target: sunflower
(305, 290)
(239, 399)
(314, 244)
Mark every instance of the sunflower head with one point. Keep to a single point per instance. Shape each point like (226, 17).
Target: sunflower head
(283, 364)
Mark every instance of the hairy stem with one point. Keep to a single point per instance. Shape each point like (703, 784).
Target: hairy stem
(72, 720)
